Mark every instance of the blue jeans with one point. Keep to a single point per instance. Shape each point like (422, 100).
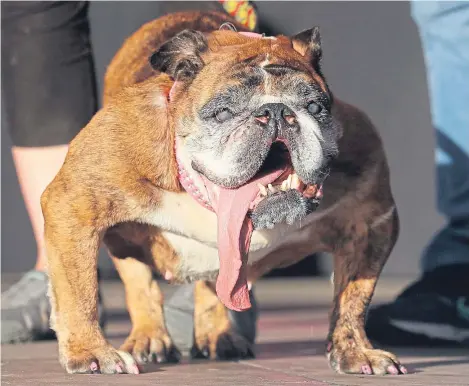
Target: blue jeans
(444, 33)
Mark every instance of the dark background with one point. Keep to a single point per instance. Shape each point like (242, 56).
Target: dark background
(372, 58)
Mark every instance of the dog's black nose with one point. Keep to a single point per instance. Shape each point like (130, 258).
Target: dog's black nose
(277, 112)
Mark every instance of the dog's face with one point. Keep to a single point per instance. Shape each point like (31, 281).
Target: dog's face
(248, 100)
(246, 106)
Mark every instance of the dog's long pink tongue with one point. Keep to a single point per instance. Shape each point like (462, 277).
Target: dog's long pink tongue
(234, 238)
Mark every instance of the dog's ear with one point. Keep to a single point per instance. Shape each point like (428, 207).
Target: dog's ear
(308, 44)
(180, 57)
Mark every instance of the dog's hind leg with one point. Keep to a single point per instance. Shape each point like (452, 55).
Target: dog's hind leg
(215, 334)
(149, 340)
(362, 246)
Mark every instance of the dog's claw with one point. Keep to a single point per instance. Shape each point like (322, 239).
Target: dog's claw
(169, 356)
(94, 368)
(366, 369)
(392, 370)
(134, 369)
(160, 358)
(250, 353)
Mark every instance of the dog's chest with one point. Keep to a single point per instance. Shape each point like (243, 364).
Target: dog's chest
(191, 230)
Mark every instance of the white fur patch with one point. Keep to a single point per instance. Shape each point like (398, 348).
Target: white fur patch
(313, 155)
(196, 257)
(222, 167)
(308, 122)
(160, 100)
(180, 214)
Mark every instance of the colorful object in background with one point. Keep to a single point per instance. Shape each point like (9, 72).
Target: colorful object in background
(243, 11)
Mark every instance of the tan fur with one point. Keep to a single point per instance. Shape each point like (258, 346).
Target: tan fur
(119, 185)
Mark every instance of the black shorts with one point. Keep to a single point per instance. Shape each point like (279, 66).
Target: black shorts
(48, 81)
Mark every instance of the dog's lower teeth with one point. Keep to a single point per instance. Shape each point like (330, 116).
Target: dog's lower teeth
(295, 182)
(262, 189)
(271, 188)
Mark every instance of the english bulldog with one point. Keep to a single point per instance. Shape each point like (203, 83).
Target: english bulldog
(218, 156)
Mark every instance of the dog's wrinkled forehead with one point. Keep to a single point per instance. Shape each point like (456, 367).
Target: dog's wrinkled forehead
(277, 55)
(268, 66)
(206, 64)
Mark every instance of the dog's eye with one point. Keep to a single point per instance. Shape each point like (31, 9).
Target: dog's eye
(223, 115)
(314, 108)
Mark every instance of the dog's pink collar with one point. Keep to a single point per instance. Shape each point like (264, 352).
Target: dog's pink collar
(189, 186)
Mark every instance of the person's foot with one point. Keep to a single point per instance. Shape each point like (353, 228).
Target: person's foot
(26, 310)
(432, 311)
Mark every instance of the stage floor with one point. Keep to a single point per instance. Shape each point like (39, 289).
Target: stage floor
(292, 329)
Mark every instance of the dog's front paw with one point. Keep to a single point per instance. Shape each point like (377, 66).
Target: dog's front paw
(283, 206)
(355, 360)
(102, 360)
(153, 345)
